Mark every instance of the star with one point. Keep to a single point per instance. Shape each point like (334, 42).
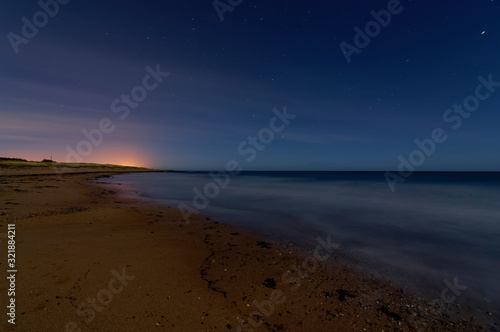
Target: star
(484, 31)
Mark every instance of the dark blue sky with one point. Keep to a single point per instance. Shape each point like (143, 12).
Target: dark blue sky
(226, 77)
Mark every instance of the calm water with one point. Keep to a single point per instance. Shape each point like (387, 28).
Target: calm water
(436, 226)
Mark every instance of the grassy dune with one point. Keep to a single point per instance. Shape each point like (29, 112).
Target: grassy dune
(25, 164)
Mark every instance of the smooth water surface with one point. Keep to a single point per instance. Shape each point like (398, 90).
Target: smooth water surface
(435, 226)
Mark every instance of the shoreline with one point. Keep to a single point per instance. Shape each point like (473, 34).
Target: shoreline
(75, 236)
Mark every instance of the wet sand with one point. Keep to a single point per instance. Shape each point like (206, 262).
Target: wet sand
(89, 259)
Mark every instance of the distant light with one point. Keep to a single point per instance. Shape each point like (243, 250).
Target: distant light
(483, 32)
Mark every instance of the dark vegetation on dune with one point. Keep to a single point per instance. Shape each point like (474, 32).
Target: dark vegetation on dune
(21, 163)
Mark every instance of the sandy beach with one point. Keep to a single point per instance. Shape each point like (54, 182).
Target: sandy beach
(89, 259)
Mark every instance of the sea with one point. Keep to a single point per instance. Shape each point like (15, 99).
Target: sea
(435, 231)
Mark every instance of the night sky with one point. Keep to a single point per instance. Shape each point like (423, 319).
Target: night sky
(226, 77)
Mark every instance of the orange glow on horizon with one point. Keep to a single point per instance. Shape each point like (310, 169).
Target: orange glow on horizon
(121, 156)
(115, 156)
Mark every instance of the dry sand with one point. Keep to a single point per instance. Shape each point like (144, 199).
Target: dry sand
(89, 259)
